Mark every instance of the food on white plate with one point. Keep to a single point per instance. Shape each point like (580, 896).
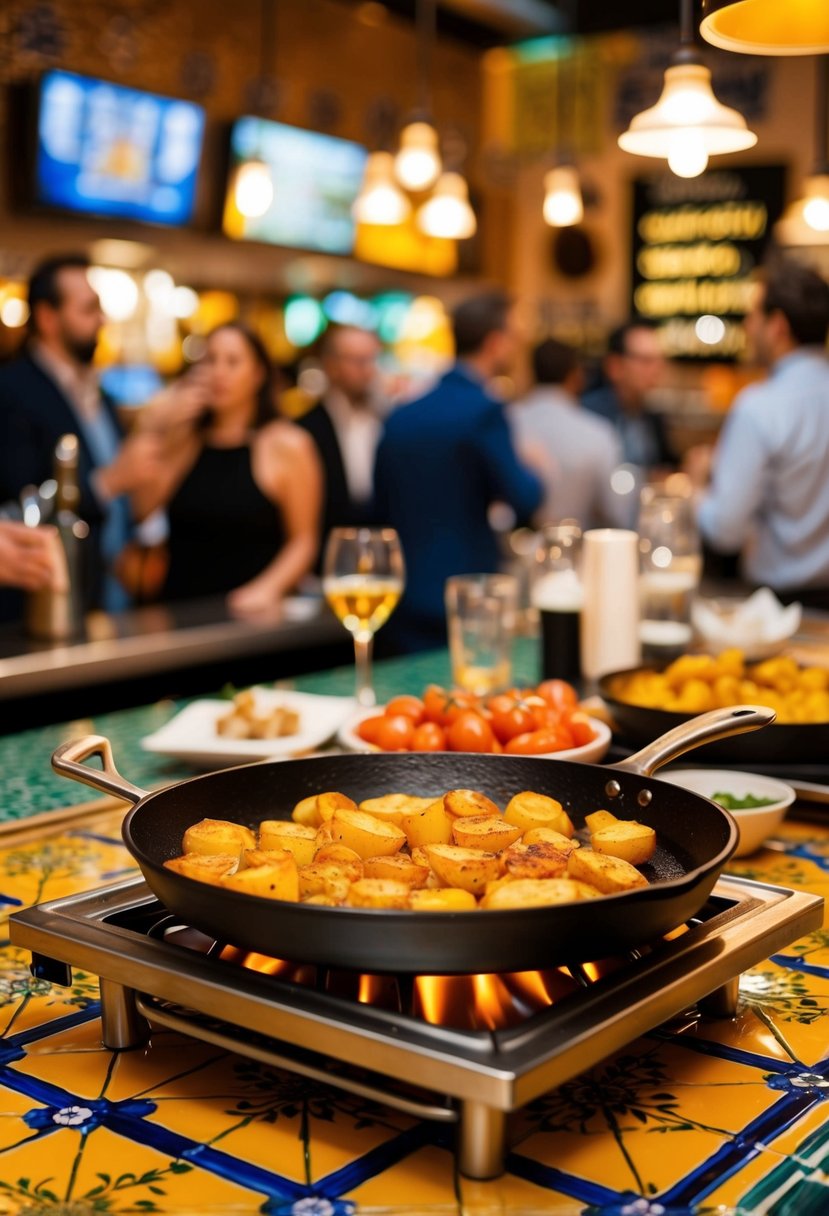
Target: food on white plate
(455, 853)
(249, 719)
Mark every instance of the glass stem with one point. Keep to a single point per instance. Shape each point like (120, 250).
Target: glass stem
(362, 658)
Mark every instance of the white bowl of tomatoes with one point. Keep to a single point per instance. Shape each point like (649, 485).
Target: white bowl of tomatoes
(541, 721)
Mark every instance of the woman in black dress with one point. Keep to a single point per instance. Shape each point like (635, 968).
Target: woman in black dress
(241, 488)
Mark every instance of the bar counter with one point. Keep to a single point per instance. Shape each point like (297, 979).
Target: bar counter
(699, 1116)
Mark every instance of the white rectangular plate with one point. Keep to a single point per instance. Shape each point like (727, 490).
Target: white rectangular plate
(191, 736)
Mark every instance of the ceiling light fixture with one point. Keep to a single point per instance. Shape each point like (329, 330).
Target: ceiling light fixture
(418, 164)
(767, 27)
(808, 217)
(563, 205)
(380, 201)
(448, 213)
(253, 182)
(688, 124)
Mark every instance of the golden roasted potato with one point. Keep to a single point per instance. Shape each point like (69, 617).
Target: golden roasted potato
(633, 842)
(469, 869)
(432, 825)
(607, 874)
(541, 860)
(599, 819)
(263, 857)
(528, 810)
(564, 844)
(469, 802)
(332, 801)
(398, 868)
(392, 808)
(217, 836)
(443, 899)
(349, 863)
(305, 812)
(205, 867)
(278, 880)
(367, 836)
(490, 832)
(297, 838)
(327, 878)
(378, 893)
(537, 892)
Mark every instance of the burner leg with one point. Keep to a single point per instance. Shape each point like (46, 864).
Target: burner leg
(481, 1141)
(722, 1002)
(121, 1024)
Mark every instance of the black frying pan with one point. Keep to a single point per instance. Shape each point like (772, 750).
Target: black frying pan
(786, 742)
(695, 839)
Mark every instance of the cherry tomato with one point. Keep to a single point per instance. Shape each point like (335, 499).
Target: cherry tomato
(510, 718)
(558, 693)
(459, 703)
(429, 737)
(470, 733)
(536, 742)
(545, 715)
(434, 702)
(410, 707)
(395, 733)
(582, 729)
(369, 728)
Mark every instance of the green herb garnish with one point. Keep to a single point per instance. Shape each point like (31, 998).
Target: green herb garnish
(747, 803)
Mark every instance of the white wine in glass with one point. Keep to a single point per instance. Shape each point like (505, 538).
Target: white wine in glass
(363, 579)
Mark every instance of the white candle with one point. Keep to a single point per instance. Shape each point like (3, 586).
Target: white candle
(610, 615)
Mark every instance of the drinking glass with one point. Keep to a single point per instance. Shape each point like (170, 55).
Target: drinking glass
(480, 613)
(670, 565)
(557, 594)
(362, 579)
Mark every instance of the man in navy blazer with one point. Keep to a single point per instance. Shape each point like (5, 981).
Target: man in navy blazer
(50, 390)
(441, 463)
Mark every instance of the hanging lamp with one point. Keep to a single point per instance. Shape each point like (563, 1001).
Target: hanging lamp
(767, 27)
(380, 201)
(253, 180)
(448, 213)
(563, 204)
(688, 124)
(418, 164)
(807, 219)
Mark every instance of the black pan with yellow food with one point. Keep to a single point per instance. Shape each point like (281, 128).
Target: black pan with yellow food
(695, 839)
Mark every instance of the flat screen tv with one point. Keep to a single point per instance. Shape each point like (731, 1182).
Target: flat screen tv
(316, 178)
(106, 150)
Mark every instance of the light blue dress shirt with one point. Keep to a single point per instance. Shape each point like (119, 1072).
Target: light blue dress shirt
(769, 493)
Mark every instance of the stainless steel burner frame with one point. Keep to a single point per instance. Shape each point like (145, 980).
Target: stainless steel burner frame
(482, 1075)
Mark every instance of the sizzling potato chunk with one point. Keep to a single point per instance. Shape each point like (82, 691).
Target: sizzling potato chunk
(297, 838)
(217, 836)
(633, 842)
(431, 825)
(550, 836)
(489, 832)
(205, 867)
(598, 820)
(274, 881)
(367, 836)
(469, 869)
(443, 899)
(536, 892)
(378, 893)
(398, 868)
(392, 808)
(608, 874)
(469, 802)
(330, 802)
(305, 812)
(541, 860)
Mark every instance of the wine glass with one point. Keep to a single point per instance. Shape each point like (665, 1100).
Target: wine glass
(670, 566)
(362, 579)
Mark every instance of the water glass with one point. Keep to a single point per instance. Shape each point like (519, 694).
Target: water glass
(481, 611)
(670, 565)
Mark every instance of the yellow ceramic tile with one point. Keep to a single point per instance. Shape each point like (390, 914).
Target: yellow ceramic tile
(425, 1178)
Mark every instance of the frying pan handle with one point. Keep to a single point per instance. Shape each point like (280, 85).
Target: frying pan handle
(705, 728)
(68, 760)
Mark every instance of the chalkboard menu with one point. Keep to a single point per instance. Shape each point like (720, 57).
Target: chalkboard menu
(695, 244)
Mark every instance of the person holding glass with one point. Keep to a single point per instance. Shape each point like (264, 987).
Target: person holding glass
(241, 488)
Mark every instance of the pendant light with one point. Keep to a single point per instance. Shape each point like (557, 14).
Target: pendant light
(380, 201)
(810, 214)
(448, 213)
(418, 164)
(563, 203)
(687, 124)
(253, 181)
(767, 27)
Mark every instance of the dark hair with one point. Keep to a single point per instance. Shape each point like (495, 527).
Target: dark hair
(43, 283)
(554, 361)
(328, 341)
(476, 318)
(803, 298)
(265, 403)
(617, 341)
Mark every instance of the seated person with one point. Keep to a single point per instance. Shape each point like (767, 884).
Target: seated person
(241, 487)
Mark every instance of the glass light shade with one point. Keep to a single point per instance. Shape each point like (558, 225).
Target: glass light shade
(816, 202)
(418, 163)
(687, 110)
(767, 27)
(448, 213)
(253, 188)
(380, 201)
(563, 204)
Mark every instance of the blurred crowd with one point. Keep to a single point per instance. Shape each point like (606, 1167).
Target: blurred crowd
(233, 498)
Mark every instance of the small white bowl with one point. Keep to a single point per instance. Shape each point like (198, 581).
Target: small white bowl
(588, 753)
(755, 824)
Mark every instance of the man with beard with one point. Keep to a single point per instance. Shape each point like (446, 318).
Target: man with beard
(51, 389)
(441, 464)
(769, 491)
(345, 425)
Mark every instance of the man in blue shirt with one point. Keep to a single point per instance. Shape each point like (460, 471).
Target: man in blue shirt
(769, 491)
(441, 463)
